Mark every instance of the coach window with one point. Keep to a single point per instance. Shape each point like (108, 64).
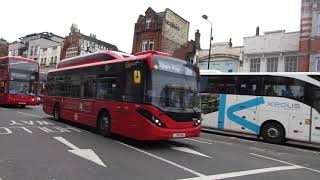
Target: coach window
(107, 88)
(249, 86)
(220, 85)
(284, 87)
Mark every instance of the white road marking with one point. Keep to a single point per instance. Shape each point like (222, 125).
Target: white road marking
(165, 160)
(203, 139)
(198, 141)
(88, 154)
(222, 142)
(29, 114)
(187, 150)
(4, 109)
(318, 171)
(248, 172)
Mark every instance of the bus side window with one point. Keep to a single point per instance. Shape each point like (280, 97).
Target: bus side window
(2, 87)
(107, 88)
(89, 87)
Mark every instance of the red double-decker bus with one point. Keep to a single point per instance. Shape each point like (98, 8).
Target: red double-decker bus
(18, 81)
(149, 96)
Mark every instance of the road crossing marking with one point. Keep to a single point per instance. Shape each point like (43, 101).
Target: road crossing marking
(246, 173)
(165, 160)
(198, 141)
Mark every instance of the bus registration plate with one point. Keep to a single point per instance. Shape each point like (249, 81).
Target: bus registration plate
(179, 135)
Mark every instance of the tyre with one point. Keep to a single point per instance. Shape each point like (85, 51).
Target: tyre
(273, 132)
(104, 124)
(56, 113)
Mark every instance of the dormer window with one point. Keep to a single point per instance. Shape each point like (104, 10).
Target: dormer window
(148, 23)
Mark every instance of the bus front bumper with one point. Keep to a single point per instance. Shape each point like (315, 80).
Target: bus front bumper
(156, 133)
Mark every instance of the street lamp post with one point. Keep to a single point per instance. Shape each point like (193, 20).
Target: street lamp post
(206, 18)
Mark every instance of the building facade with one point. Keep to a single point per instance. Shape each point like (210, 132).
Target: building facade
(224, 57)
(164, 31)
(275, 51)
(3, 47)
(188, 51)
(309, 44)
(78, 44)
(44, 48)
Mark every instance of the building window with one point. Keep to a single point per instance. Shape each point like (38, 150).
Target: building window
(31, 51)
(291, 64)
(147, 45)
(72, 51)
(255, 65)
(55, 59)
(318, 64)
(319, 24)
(148, 23)
(44, 50)
(272, 64)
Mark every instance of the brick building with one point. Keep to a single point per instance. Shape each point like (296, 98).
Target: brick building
(164, 31)
(77, 44)
(309, 44)
(188, 51)
(3, 47)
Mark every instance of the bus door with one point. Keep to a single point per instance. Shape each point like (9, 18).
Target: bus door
(315, 120)
(243, 114)
(132, 97)
(2, 91)
(315, 126)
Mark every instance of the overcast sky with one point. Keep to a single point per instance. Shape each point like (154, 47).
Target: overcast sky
(113, 21)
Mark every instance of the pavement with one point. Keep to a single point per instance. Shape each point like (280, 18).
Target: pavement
(35, 147)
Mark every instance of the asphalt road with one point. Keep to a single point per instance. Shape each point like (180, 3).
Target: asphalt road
(35, 147)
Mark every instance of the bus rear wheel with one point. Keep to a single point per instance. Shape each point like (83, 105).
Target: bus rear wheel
(56, 113)
(273, 132)
(104, 124)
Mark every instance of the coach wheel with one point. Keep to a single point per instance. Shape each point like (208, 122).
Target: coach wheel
(22, 106)
(273, 133)
(104, 125)
(56, 113)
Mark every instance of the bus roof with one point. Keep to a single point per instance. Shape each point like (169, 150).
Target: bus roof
(91, 58)
(216, 72)
(18, 58)
(142, 55)
(131, 58)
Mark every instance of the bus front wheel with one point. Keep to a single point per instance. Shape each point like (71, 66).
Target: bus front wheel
(104, 124)
(273, 132)
(56, 113)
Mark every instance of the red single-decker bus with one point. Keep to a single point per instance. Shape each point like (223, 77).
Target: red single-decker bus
(149, 96)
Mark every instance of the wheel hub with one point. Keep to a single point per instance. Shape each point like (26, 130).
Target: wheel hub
(273, 132)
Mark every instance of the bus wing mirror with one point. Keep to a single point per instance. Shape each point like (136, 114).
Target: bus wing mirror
(137, 77)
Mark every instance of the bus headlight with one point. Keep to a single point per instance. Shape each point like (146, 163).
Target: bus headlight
(148, 115)
(197, 121)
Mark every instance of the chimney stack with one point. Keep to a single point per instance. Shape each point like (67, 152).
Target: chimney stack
(257, 31)
(230, 42)
(197, 40)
